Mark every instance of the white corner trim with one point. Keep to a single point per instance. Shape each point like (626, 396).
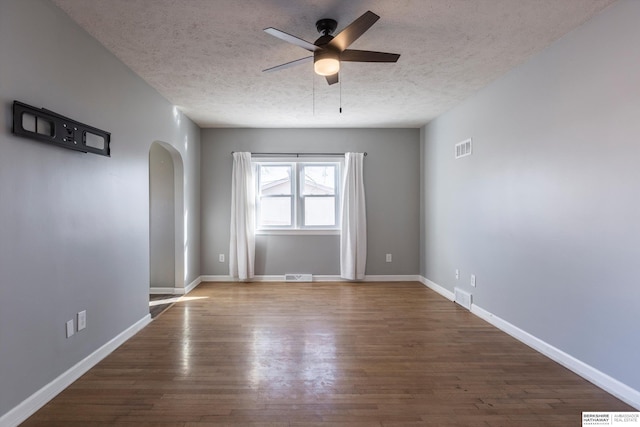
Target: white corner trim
(591, 374)
(38, 399)
(191, 286)
(437, 288)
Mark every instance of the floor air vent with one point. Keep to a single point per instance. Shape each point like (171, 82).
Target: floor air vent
(463, 298)
(305, 277)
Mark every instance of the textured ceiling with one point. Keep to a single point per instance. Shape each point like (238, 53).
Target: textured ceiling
(206, 56)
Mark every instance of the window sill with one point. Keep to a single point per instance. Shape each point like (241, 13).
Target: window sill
(298, 232)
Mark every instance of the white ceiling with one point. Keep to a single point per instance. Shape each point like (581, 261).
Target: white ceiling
(206, 56)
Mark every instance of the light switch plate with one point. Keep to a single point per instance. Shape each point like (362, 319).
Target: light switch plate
(70, 328)
(82, 320)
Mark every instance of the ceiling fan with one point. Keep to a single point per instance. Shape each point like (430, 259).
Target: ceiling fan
(329, 51)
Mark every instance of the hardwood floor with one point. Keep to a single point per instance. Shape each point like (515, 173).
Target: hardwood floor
(323, 354)
(160, 302)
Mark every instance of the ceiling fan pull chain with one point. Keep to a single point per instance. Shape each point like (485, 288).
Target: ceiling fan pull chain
(340, 83)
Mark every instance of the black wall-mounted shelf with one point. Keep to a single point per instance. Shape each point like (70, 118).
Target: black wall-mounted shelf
(45, 125)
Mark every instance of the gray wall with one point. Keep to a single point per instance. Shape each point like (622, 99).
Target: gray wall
(74, 227)
(545, 212)
(161, 218)
(391, 175)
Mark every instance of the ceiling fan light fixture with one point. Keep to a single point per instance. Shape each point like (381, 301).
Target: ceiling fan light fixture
(326, 63)
(329, 51)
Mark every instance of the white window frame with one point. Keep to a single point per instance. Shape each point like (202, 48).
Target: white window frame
(297, 198)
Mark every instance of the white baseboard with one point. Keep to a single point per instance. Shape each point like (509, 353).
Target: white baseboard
(437, 288)
(610, 385)
(166, 291)
(318, 278)
(392, 278)
(191, 286)
(271, 278)
(176, 290)
(210, 278)
(589, 373)
(218, 279)
(38, 399)
(327, 278)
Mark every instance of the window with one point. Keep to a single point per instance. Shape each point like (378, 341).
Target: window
(297, 195)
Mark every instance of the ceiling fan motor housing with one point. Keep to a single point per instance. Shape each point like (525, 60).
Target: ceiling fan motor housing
(326, 26)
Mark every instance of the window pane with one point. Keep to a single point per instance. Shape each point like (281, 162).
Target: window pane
(275, 180)
(320, 179)
(319, 211)
(275, 211)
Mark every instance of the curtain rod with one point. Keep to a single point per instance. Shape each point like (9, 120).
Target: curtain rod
(299, 154)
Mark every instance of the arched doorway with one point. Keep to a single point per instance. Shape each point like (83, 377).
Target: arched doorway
(166, 220)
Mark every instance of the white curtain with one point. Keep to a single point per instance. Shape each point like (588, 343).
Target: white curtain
(242, 245)
(353, 236)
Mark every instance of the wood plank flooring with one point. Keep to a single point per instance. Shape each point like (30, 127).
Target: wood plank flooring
(158, 303)
(323, 354)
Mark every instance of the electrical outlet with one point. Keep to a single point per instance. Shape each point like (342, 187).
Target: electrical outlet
(70, 328)
(82, 320)
(457, 274)
(389, 258)
(473, 280)
(221, 258)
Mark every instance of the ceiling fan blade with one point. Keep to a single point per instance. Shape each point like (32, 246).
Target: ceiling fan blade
(289, 64)
(332, 79)
(291, 39)
(353, 31)
(368, 56)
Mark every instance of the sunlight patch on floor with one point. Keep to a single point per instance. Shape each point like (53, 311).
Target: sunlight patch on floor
(173, 299)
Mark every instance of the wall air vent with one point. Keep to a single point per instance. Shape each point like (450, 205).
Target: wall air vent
(463, 298)
(305, 277)
(463, 148)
